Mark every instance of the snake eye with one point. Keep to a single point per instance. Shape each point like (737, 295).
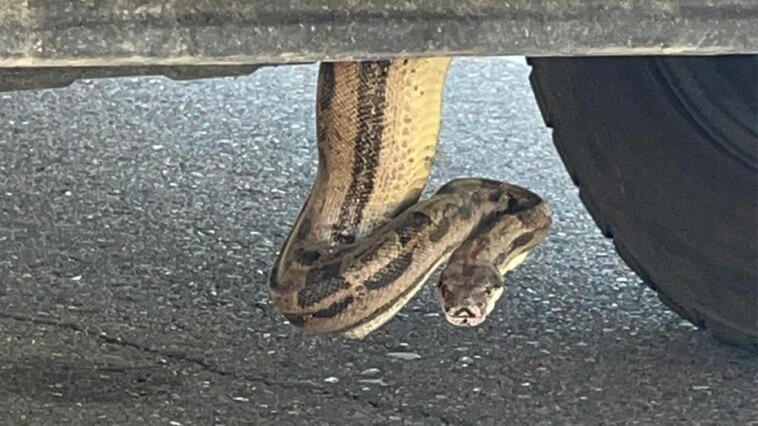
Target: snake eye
(492, 289)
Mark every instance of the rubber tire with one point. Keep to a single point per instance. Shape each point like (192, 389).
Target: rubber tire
(664, 151)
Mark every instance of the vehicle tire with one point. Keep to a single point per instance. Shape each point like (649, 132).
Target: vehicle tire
(664, 151)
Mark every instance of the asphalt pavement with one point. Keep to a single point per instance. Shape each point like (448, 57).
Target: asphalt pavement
(139, 218)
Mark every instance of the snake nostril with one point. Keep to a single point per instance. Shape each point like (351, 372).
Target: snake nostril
(463, 313)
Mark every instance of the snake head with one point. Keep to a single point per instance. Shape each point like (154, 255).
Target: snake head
(468, 293)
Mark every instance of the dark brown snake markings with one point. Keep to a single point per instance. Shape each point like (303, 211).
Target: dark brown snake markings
(380, 121)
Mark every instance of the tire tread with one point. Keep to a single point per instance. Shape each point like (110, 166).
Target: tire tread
(694, 313)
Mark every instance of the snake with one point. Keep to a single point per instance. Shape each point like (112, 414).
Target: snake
(364, 243)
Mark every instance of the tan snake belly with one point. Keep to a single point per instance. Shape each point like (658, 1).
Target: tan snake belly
(364, 244)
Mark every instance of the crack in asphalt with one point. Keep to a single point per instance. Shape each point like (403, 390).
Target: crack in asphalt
(175, 356)
(204, 365)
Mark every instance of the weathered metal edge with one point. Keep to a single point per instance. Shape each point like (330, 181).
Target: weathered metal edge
(50, 33)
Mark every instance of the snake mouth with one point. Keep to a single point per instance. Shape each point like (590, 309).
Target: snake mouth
(465, 316)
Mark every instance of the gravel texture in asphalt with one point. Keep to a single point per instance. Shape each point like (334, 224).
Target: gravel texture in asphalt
(139, 218)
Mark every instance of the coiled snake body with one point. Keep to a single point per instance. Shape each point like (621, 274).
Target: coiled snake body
(364, 244)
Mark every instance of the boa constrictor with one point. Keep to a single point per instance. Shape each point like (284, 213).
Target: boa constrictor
(364, 244)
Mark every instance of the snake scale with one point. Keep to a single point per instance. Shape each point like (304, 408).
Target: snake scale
(363, 244)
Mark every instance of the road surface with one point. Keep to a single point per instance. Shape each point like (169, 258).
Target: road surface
(139, 218)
